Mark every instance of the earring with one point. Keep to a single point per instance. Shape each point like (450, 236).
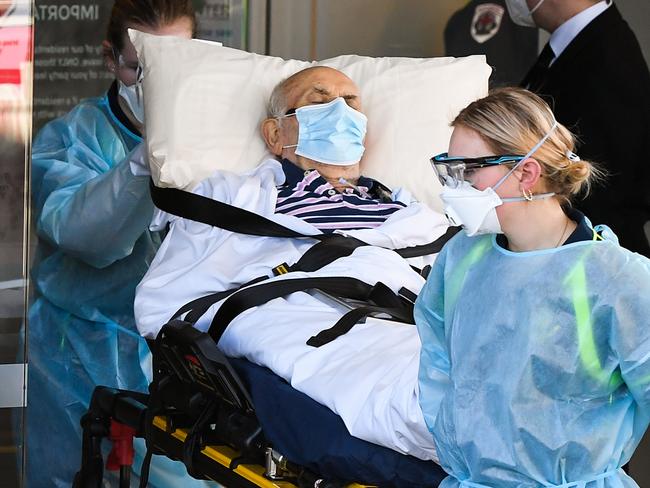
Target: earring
(528, 196)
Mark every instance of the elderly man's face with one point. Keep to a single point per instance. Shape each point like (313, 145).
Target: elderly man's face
(314, 86)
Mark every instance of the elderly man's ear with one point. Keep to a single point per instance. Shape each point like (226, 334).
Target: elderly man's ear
(271, 134)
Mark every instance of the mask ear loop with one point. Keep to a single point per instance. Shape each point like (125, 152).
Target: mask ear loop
(534, 9)
(286, 116)
(116, 61)
(529, 154)
(139, 73)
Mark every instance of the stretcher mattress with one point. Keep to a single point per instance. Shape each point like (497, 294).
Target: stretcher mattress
(311, 435)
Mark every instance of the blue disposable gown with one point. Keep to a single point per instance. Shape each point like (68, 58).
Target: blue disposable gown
(535, 366)
(92, 218)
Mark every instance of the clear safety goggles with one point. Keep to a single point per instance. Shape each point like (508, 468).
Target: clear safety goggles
(452, 171)
(131, 72)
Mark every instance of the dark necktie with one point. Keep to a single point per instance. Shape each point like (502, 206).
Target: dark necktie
(535, 77)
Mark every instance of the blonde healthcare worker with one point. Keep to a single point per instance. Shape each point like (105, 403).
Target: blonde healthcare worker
(92, 216)
(535, 325)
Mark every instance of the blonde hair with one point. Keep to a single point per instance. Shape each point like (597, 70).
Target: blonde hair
(512, 120)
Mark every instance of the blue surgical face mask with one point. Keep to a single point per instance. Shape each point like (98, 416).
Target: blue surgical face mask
(330, 133)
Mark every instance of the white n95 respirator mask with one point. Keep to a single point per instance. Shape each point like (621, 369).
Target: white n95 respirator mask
(330, 133)
(521, 14)
(474, 209)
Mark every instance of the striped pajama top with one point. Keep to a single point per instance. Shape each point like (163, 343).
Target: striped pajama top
(308, 196)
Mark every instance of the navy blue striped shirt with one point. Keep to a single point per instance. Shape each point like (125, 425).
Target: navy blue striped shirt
(308, 196)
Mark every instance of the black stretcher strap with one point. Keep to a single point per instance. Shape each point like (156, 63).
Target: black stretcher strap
(430, 248)
(383, 296)
(197, 307)
(218, 214)
(192, 444)
(345, 323)
(264, 292)
(323, 253)
(317, 256)
(398, 306)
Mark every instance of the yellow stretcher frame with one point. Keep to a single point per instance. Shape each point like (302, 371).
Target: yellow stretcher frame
(193, 385)
(216, 461)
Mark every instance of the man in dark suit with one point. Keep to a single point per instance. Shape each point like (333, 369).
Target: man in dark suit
(594, 75)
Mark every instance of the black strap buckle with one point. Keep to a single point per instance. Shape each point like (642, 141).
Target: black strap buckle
(407, 295)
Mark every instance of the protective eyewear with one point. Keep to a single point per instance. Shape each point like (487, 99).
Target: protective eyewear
(131, 72)
(452, 171)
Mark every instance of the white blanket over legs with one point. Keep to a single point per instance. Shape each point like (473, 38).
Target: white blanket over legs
(367, 376)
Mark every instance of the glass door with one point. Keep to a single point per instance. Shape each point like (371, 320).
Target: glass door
(16, 22)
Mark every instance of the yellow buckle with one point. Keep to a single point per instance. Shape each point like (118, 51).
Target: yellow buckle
(281, 269)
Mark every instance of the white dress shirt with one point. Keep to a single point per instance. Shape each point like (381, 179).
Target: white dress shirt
(567, 32)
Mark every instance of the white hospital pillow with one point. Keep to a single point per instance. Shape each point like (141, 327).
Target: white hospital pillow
(204, 105)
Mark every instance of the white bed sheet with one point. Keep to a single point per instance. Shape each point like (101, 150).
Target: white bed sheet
(369, 375)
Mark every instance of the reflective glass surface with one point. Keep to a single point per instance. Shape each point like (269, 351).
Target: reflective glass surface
(15, 132)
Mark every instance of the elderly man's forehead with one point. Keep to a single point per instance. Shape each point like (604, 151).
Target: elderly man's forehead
(321, 80)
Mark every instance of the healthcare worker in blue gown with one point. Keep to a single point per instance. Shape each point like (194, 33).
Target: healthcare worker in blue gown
(535, 325)
(92, 216)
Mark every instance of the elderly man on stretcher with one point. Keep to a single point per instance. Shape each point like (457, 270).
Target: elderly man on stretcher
(365, 370)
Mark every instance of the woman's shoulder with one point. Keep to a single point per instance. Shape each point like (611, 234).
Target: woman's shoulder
(87, 110)
(89, 107)
(614, 262)
(607, 241)
(634, 263)
(86, 107)
(89, 115)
